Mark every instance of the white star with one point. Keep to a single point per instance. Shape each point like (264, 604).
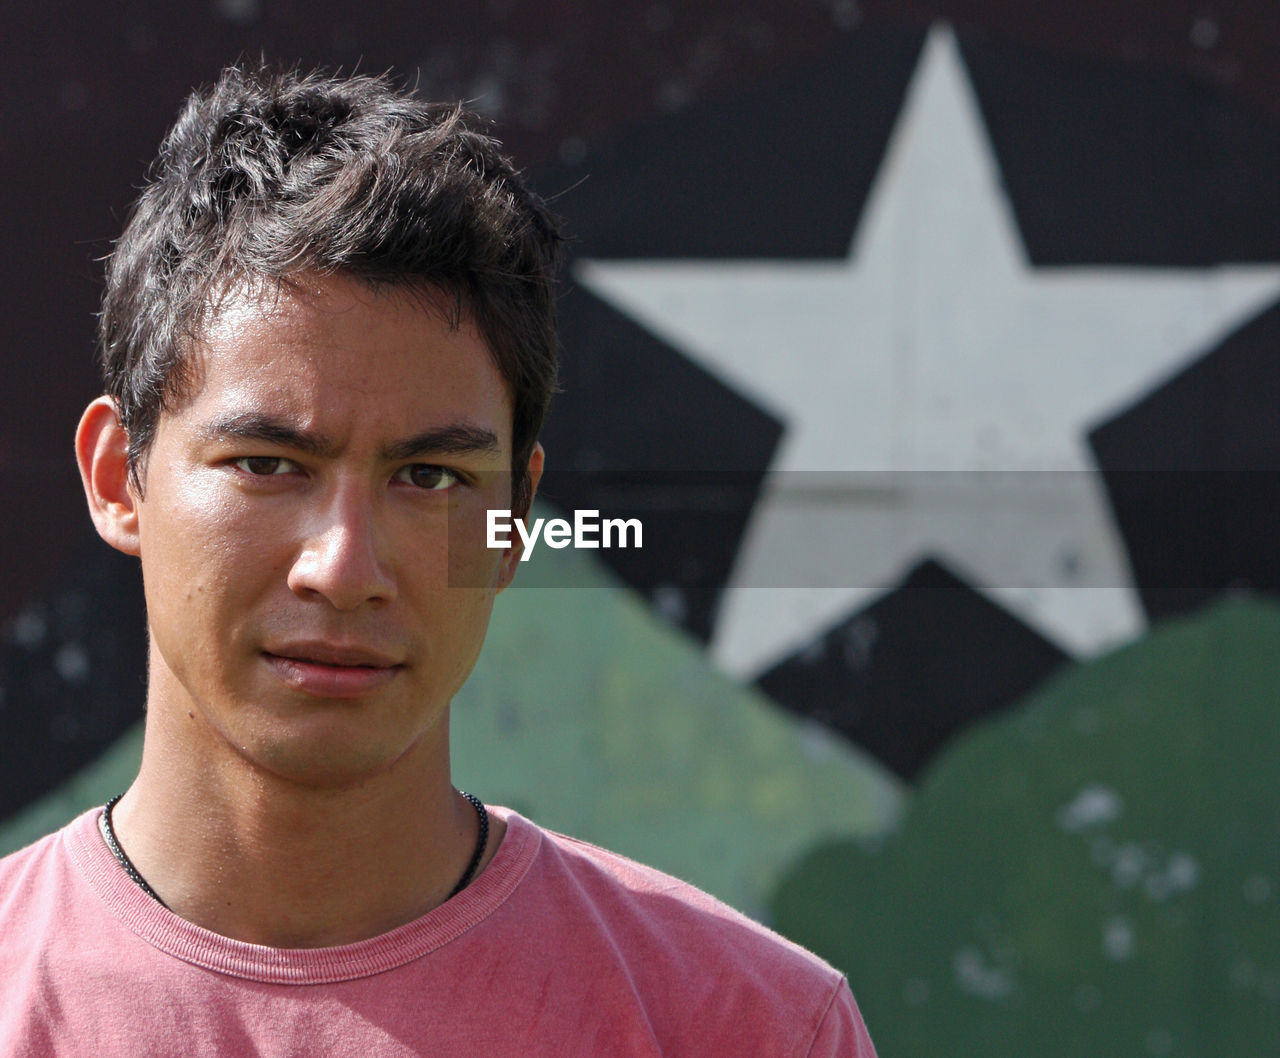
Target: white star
(935, 347)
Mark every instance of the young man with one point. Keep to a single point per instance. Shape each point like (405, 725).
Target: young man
(329, 342)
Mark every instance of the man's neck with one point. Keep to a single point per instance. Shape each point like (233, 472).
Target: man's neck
(251, 856)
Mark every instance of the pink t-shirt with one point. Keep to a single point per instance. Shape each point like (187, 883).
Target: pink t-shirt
(558, 948)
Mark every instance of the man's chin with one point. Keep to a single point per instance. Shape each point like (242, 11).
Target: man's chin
(318, 764)
(328, 743)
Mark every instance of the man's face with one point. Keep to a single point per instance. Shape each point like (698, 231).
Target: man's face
(302, 517)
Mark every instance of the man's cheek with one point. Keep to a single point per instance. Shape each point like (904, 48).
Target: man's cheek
(470, 561)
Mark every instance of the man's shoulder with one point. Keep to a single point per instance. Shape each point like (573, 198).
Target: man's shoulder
(697, 968)
(35, 883)
(19, 868)
(664, 915)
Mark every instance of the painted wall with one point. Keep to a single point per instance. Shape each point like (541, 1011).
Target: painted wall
(934, 345)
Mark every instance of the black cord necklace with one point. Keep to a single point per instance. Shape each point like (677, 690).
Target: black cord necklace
(482, 843)
(109, 835)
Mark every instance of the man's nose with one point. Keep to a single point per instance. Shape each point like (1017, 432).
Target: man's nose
(342, 557)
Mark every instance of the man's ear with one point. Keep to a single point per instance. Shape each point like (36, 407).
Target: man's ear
(512, 558)
(102, 452)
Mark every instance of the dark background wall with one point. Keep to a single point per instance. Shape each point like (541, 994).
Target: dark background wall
(89, 90)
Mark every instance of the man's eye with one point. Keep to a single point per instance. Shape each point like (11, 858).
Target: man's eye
(427, 476)
(263, 466)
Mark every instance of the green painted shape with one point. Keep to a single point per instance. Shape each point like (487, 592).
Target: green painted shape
(93, 785)
(596, 718)
(1096, 873)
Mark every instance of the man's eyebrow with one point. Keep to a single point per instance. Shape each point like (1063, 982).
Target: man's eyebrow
(455, 439)
(458, 439)
(252, 426)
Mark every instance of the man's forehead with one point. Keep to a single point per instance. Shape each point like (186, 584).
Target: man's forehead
(319, 353)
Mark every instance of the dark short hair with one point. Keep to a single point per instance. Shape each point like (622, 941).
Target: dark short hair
(271, 174)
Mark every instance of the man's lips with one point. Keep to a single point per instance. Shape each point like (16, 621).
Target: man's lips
(321, 653)
(329, 670)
